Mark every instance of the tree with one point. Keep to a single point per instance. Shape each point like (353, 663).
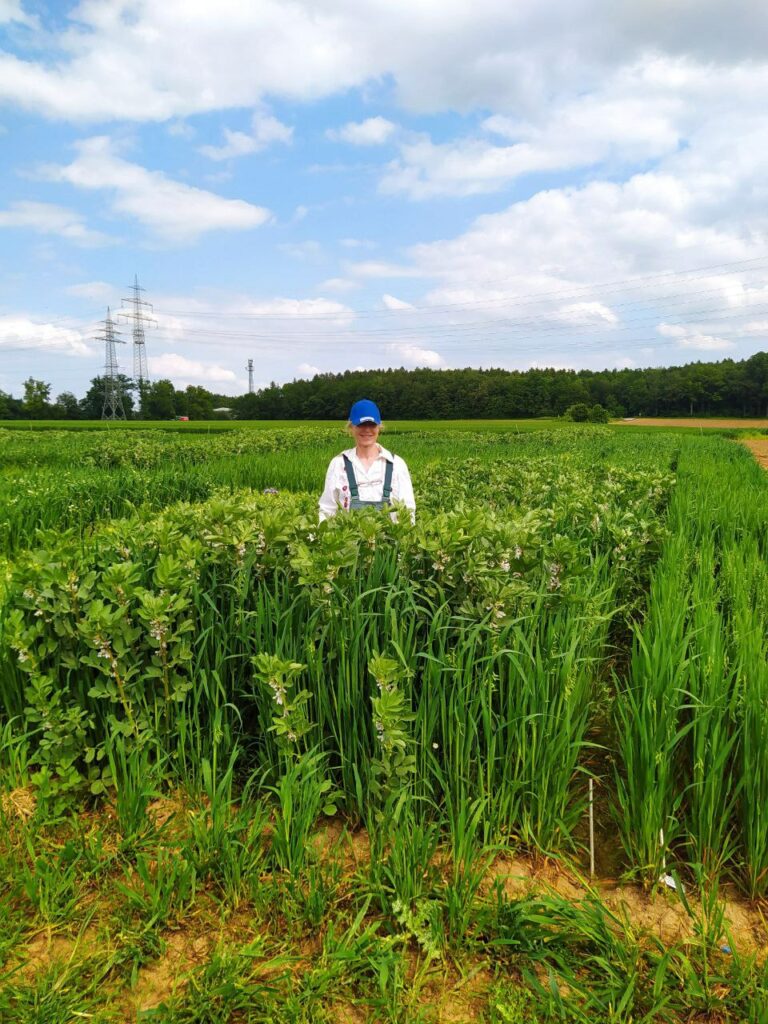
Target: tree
(66, 407)
(159, 401)
(92, 406)
(195, 402)
(36, 398)
(579, 413)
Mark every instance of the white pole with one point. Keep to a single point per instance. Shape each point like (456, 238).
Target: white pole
(591, 828)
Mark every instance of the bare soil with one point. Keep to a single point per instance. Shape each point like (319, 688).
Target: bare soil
(759, 449)
(690, 421)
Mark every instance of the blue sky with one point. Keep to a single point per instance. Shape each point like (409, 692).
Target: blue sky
(332, 184)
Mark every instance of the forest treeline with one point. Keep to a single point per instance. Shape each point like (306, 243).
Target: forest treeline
(724, 388)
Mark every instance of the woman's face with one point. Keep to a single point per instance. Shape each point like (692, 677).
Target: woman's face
(366, 435)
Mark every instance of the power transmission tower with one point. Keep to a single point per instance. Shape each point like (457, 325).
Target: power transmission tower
(138, 311)
(113, 397)
(249, 368)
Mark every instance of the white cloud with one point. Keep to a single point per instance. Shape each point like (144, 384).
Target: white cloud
(180, 130)
(19, 332)
(391, 302)
(338, 284)
(671, 331)
(756, 327)
(172, 210)
(586, 313)
(265, 130)
(641, 113)
(243, 317)
(573, 266)
(373, 268)
(307, 250)
(706, 343)
(374, 131)
(11, 10)
(412, 355)
(307, 370)
(188, 371)
(688, 337)
(48, 219)
(157, 61)
(99, 291)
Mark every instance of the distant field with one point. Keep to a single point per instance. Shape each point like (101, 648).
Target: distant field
(713, 424)
(207, 426)
(517, 426)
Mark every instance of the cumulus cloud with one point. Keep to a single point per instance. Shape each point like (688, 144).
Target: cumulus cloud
(374, 268)
(586, 314)
(687, 337)
(374, 131)
(240, 319)
(413, 355)
(391, 302)
(99, 291)
(11, 10)
(706, 343)
(307, 370)
(157, 61)
(265, 130)
(641, 113)
(19, 332)
(48, 219)
(338, 284)
(170, 209)
(601, 265)
(188, 371)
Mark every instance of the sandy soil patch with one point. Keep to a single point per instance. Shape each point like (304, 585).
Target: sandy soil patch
(651, 421)
(658, 913)
(759, 449)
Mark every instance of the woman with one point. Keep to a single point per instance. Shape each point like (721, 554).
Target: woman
(366, 475)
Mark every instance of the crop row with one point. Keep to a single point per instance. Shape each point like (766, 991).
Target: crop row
(692, 712)
(548, 615)
(60, 480)
(469, 648)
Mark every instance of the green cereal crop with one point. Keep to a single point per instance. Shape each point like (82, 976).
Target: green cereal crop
(570, 606)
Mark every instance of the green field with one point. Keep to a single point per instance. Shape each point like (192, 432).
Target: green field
(254, 768)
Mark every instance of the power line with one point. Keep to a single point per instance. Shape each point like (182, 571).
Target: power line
(734, 267)
(136, 313)
(113, 397)
(536, 326)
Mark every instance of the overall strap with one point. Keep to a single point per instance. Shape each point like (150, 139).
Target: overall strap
(387, 482)
(350, 471)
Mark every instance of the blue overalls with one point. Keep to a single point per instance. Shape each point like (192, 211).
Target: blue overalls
(355, 501)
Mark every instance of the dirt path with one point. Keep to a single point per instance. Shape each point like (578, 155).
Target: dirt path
(647, 421)
(759, 449)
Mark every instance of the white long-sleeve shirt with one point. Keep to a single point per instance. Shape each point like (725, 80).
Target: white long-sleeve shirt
(370, 482)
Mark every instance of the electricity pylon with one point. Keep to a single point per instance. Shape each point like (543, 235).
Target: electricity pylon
(113, 397)
(138, 311)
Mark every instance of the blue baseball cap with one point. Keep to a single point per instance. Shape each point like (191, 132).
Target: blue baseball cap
(364, 411)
